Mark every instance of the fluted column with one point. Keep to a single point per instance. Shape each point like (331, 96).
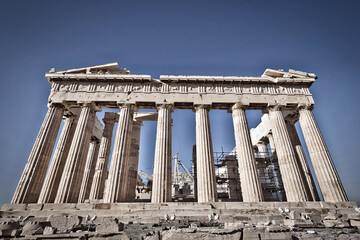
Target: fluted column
(302, 162)
(271, 143)
(250, 183)
(325, 171)
(89, 170)
(98, 184)
(29, 187)
(293, 184)
(262, 149)
(118, 174)
(206, 180)
(161, 186)
(134, 159)
(56, 168)
(71, 178)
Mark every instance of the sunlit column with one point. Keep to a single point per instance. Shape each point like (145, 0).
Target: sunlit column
(119, 165)
(325, 171)
(250, 183)
(71, 179)
(29, 187)
(293, 184)
(161, 186)
(206, 180)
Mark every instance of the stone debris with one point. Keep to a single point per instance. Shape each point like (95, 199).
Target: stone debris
(49, 230)
(33, 228)
(64, 223)
(110, 226)
(294, 215)
(7, 228)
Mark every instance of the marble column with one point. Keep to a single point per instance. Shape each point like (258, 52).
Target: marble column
(302, 162)
(206, 180)
(56, 168)
(293, 184)
(119, 165)
(325, 171)
(89, 170)
(98, 184)
(250, 183)
(271, 143)
(262, 149)
(70, 183)
(31, 181)
(161, 186)
(134, 160)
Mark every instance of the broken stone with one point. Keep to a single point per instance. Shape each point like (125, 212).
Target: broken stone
(315, 218)
(64, 223)
(193, 225)
(32, 228)
(355, 223)
(277, 229)
(49, 230)
(6, 228)
(294, 215)
(298, 223)
(110, 227)
(331, 216)
(311, 232)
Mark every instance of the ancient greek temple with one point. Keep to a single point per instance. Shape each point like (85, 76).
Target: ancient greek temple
(76, 169)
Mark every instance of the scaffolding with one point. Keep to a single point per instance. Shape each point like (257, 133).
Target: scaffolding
(228, 182)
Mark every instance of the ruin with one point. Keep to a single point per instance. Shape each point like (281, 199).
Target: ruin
(75, 184)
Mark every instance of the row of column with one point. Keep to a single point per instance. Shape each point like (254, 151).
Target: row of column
(67, 181)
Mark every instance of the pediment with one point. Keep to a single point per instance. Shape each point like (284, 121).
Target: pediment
(110, 68)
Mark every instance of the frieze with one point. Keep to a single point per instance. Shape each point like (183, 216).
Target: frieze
(188, 88)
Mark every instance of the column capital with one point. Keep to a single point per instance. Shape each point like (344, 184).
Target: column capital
(90, 104)
(110, 117)
(238, 105)
(291, 117)
(272, 108)
(165, 105)
(303, 106)
(56, 104)
(131, 106)
(201, 106)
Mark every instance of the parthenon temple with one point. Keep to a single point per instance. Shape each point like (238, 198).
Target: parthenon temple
(70, 160)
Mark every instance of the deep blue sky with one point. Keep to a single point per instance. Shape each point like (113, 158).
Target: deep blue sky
(181, 37)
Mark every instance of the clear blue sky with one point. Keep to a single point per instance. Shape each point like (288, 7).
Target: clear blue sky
(181, 37)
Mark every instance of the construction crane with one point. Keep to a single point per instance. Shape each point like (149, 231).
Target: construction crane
(145, 175)
(177, 170)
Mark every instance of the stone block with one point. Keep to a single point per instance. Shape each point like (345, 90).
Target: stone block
(338, 223)
(276, 235)
(315, 218)
(331, 216)
(33, 228)
(64, 223)
(327, 205)
(34, 207)
(294, 215)
(355, 223)
(112, 226)
(298, 223)
(49, 230)
(84, 206)
(102, 206)
(346, 204)
(354, 216)
(59, 206)
(13, 207)
(6, 228)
